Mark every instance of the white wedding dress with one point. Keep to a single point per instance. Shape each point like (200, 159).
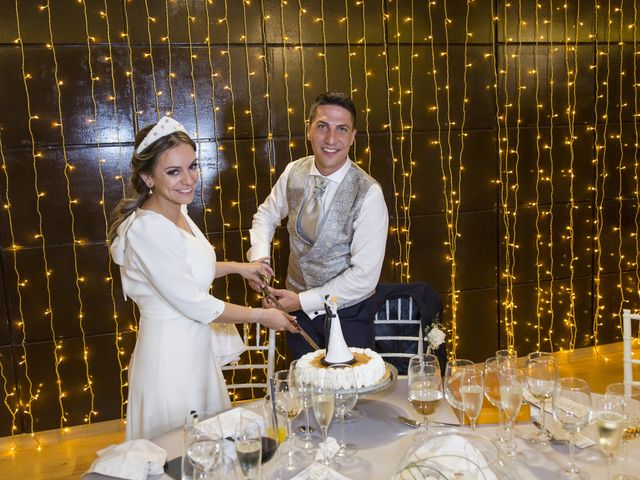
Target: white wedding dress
(175, 365)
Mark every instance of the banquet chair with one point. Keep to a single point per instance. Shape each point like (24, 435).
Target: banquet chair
(405, 311)
(627, 356)
(241, 376)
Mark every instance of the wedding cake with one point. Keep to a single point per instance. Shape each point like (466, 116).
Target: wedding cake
(367, 366)
(368, 369)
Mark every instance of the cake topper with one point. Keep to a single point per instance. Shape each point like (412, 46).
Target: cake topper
(337, 349)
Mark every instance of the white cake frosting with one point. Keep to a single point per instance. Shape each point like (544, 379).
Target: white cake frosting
(365, 375)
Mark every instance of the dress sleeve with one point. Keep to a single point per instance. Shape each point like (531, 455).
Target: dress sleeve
(160, 251)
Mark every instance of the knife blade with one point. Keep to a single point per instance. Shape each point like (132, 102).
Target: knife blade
(274, 300)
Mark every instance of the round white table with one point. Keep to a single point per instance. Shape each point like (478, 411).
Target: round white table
(382, 441)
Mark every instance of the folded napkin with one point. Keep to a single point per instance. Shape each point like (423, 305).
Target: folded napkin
(229, 421)
(315, 471)
(332, 448)
(451, 456)
(131, 460)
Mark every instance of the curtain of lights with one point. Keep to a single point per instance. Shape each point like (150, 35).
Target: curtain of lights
(503, 133)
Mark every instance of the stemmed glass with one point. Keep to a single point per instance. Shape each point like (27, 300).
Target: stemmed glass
(572, 409)
(423, 359)
(345, 400)
(541, 376)
(263, 412)
(630, 397)
(248, 444)
(492, 393)
(453, 382)
(303, 378)
(610, 422)
(288, 404)
(471, 392)
(323, 403)
(203, 450)
(425, 392)
(507, 354)
(511, 381)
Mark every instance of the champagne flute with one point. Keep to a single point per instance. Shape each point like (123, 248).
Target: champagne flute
(630, 397)
(471, 391)
(572, 409)
(288, 404)
(541, 377)
(511, 381)
(345, 400)
(323, 403)
(453, 382)
(610, 422)
(492, 393)
(248, 444)
(425, 392)
(303, 380)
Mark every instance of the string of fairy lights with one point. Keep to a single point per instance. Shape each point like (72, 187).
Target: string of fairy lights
(113, 98)
(93, 119)
(636, 145)
(555, 287)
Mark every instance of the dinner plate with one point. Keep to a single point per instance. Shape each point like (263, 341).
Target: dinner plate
(450, 453)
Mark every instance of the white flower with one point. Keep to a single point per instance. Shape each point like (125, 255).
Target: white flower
(435, 337)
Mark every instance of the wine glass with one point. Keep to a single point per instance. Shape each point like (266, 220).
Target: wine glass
(288, 403)
(492, 393)
(511, 382)
(572, 409)
(453, 382)
(203, 450)
(610, 422)
(471, 391)
(423, 359)
(323, 403)
(630, 396)
(345, 400)
(269, 430)
(303, 377)
(508, 354)
(425, 392)
(248, 444)
(541, 376)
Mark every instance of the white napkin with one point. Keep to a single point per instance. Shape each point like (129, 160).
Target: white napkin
(131, 460)
(229, 421)
(446, 457)
(316, 471)
(332, 448)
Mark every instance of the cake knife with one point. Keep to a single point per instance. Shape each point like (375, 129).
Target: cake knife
(274, 300)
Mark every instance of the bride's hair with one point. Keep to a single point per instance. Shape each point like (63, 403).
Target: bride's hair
(143, 162)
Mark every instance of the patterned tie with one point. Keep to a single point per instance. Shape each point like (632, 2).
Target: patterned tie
(312, 208)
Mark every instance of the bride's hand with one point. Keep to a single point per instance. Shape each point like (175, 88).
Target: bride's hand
(258, 273)
(276, 319)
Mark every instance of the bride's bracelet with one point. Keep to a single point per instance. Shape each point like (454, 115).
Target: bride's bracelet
(259, 315)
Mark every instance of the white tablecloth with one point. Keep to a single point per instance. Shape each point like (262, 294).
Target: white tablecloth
(382, 441)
